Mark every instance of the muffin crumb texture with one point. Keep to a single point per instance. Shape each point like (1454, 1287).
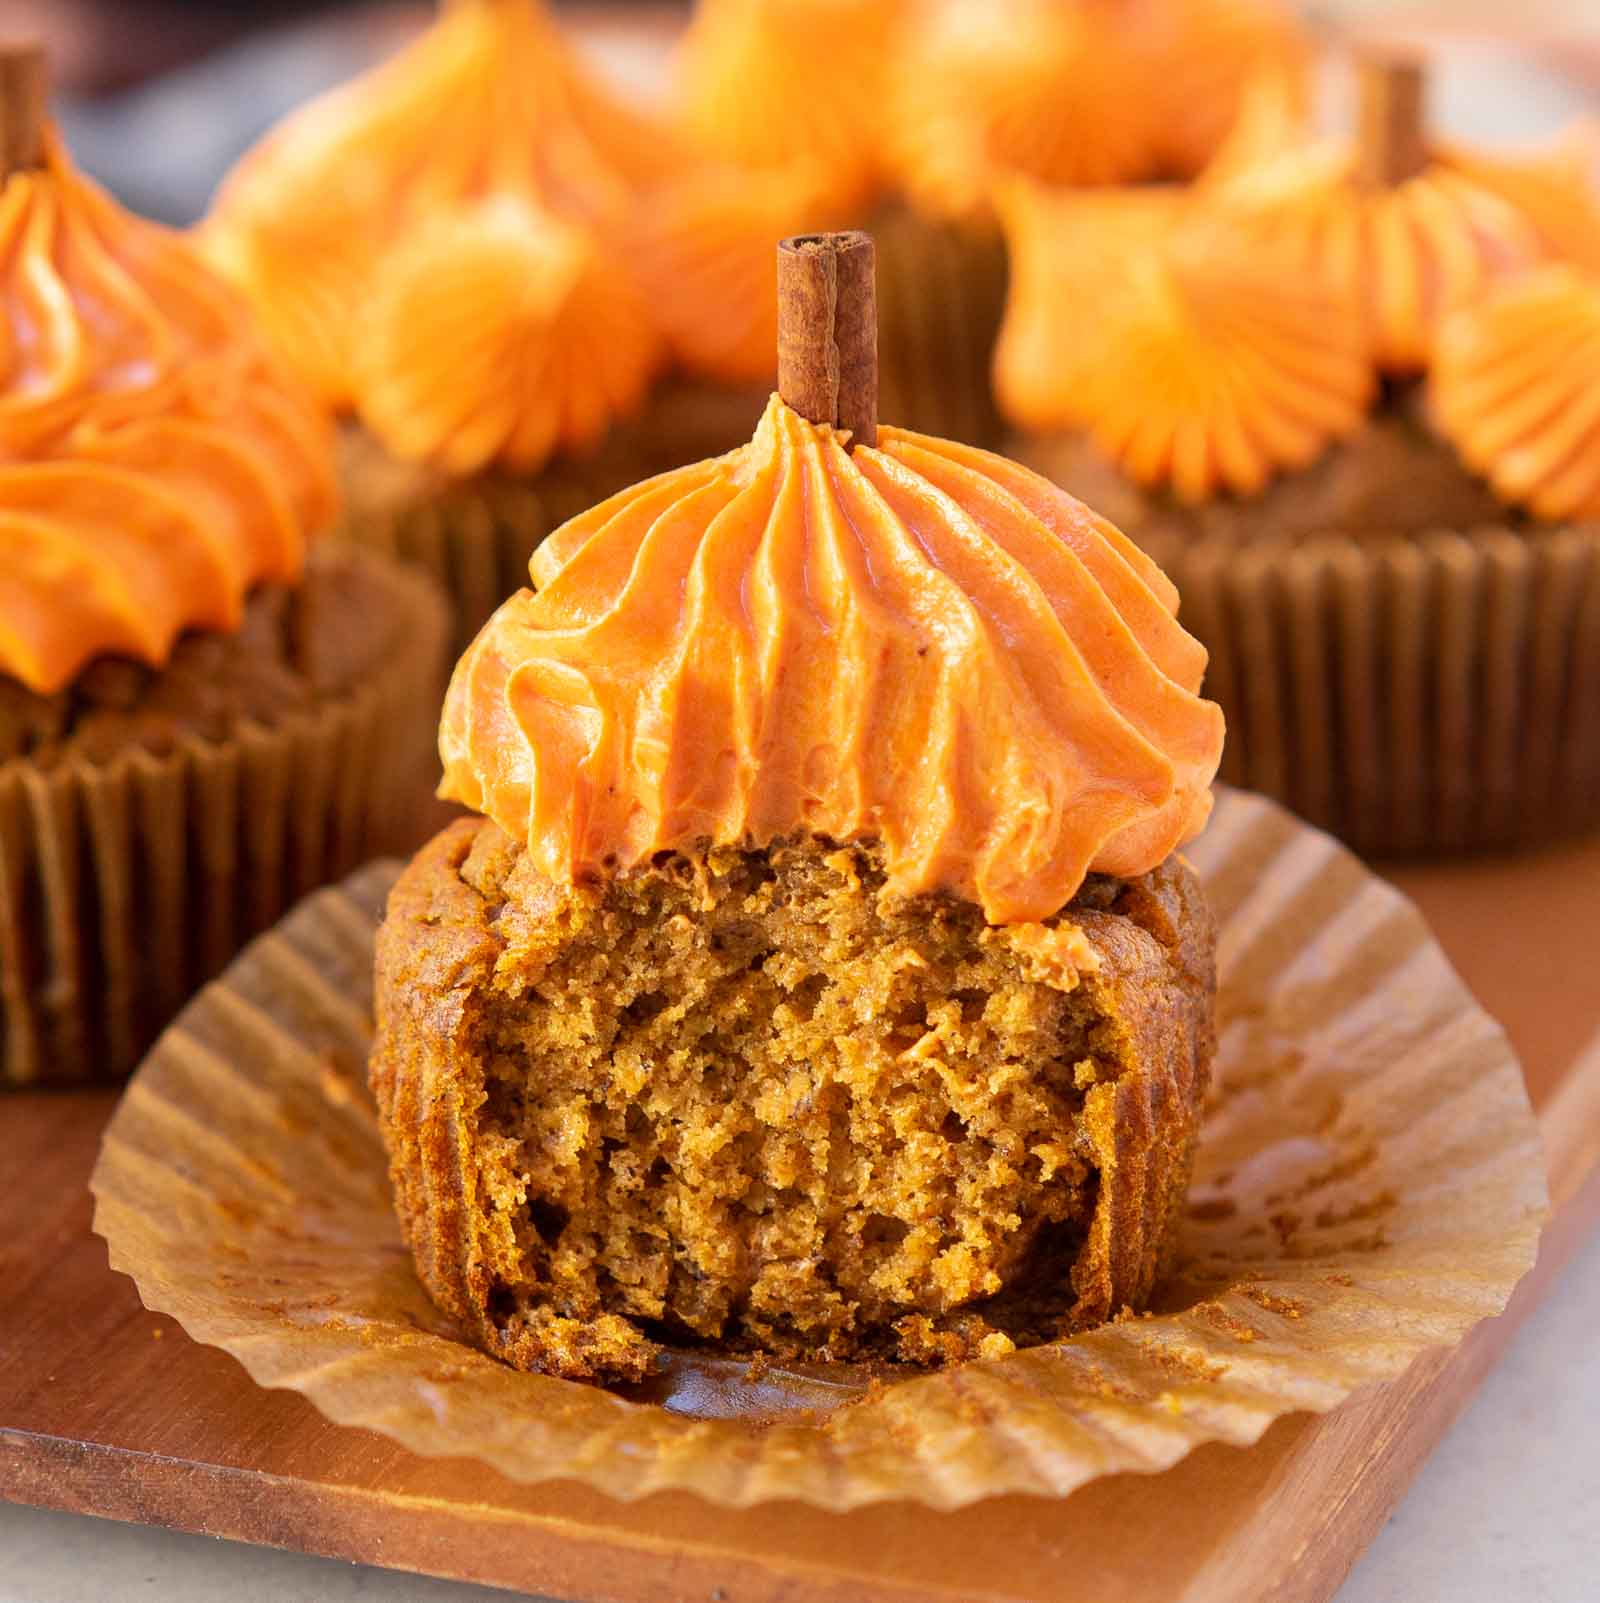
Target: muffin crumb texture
(739, 1099)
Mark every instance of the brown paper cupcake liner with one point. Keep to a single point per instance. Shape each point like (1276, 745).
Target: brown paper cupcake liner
(474, 536)
(1436, 693)
(941, 296)
(1368, 1184)
(126, 884)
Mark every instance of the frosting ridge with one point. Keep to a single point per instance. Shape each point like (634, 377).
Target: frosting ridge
(1557, 190)
(500, 335)
(1516, 388)
(1205, 55)
(704, 253)
(155, 462)
(490, 109)
(920, 642)
(771, 83)
(1192, 358)
(985, 89)
(1409, 252)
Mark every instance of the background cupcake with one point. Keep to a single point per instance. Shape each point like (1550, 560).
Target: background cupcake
(440, 247)
(1236, 373)
(904, 116)
(201, 717)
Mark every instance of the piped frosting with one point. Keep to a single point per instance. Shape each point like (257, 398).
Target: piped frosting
(765, 84)
(1556, 190)
(1516, 388)
(985, 89)
(500, 334)
(488, 114)
(155, 462)
(921, 643)
(704, 251)
(1203, 56)
(1194, 360)
(1410, 252)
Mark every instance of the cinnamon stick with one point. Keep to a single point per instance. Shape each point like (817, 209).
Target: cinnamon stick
(828, 331)
(22, 107)
(1390, 130)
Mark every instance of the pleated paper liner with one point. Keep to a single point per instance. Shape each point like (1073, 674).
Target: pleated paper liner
(474, 535)
(1430, 693)
(126, 884)
(1369, 1183)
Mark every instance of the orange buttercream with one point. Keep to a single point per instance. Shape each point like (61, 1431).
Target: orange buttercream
(498, 334)
(488, 106)
(704, 253)
(1556, 190)
(922, 643)
(1516, 388)
(1203, 56)
(770, 83)
(989, 88)
(1410, 252)
(154, 462)
(1193, 359)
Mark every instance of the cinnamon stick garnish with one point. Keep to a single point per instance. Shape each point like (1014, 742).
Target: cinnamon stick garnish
(828, 331)
(22, 107)
(1390, 129)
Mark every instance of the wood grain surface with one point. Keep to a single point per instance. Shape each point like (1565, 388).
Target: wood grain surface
(107, 1409)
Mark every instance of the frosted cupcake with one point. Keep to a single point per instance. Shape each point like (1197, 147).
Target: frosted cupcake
(1237, 375)
(441, 248)
(204, 713)
(820, 976)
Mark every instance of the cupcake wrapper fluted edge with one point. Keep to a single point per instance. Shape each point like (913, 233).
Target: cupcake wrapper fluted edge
(127, 884)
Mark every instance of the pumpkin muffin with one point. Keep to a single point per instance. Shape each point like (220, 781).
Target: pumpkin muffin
(442, 247)
(202, 716)
(1254, 379)
(819, 978)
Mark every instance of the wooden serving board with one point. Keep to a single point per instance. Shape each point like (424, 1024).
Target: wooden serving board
(107, 1409)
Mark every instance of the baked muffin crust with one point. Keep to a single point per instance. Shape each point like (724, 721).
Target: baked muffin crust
(739, 1097)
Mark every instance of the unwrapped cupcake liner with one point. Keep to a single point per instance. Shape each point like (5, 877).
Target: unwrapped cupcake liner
(126, 884)
(474, 535)
(1368, 1184)
(941, 297)
(1436, 693)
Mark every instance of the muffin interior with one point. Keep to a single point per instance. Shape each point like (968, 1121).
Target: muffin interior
(735, 1097)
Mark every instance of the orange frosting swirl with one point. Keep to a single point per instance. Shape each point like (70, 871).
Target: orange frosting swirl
(1203, 57)
(1516, 388)
(772, 83)
(1193, 359)
(921, 643)
(704, 250)
(500, 335)
(1554, 189)
(987, 88)
(154, 461)
(489, 104)
(1410, 253)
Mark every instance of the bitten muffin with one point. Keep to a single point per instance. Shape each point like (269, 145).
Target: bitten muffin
(1271, 382)
(200, 718)
(821, 979)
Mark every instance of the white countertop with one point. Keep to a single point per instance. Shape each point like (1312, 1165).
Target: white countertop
(1506, 1511)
